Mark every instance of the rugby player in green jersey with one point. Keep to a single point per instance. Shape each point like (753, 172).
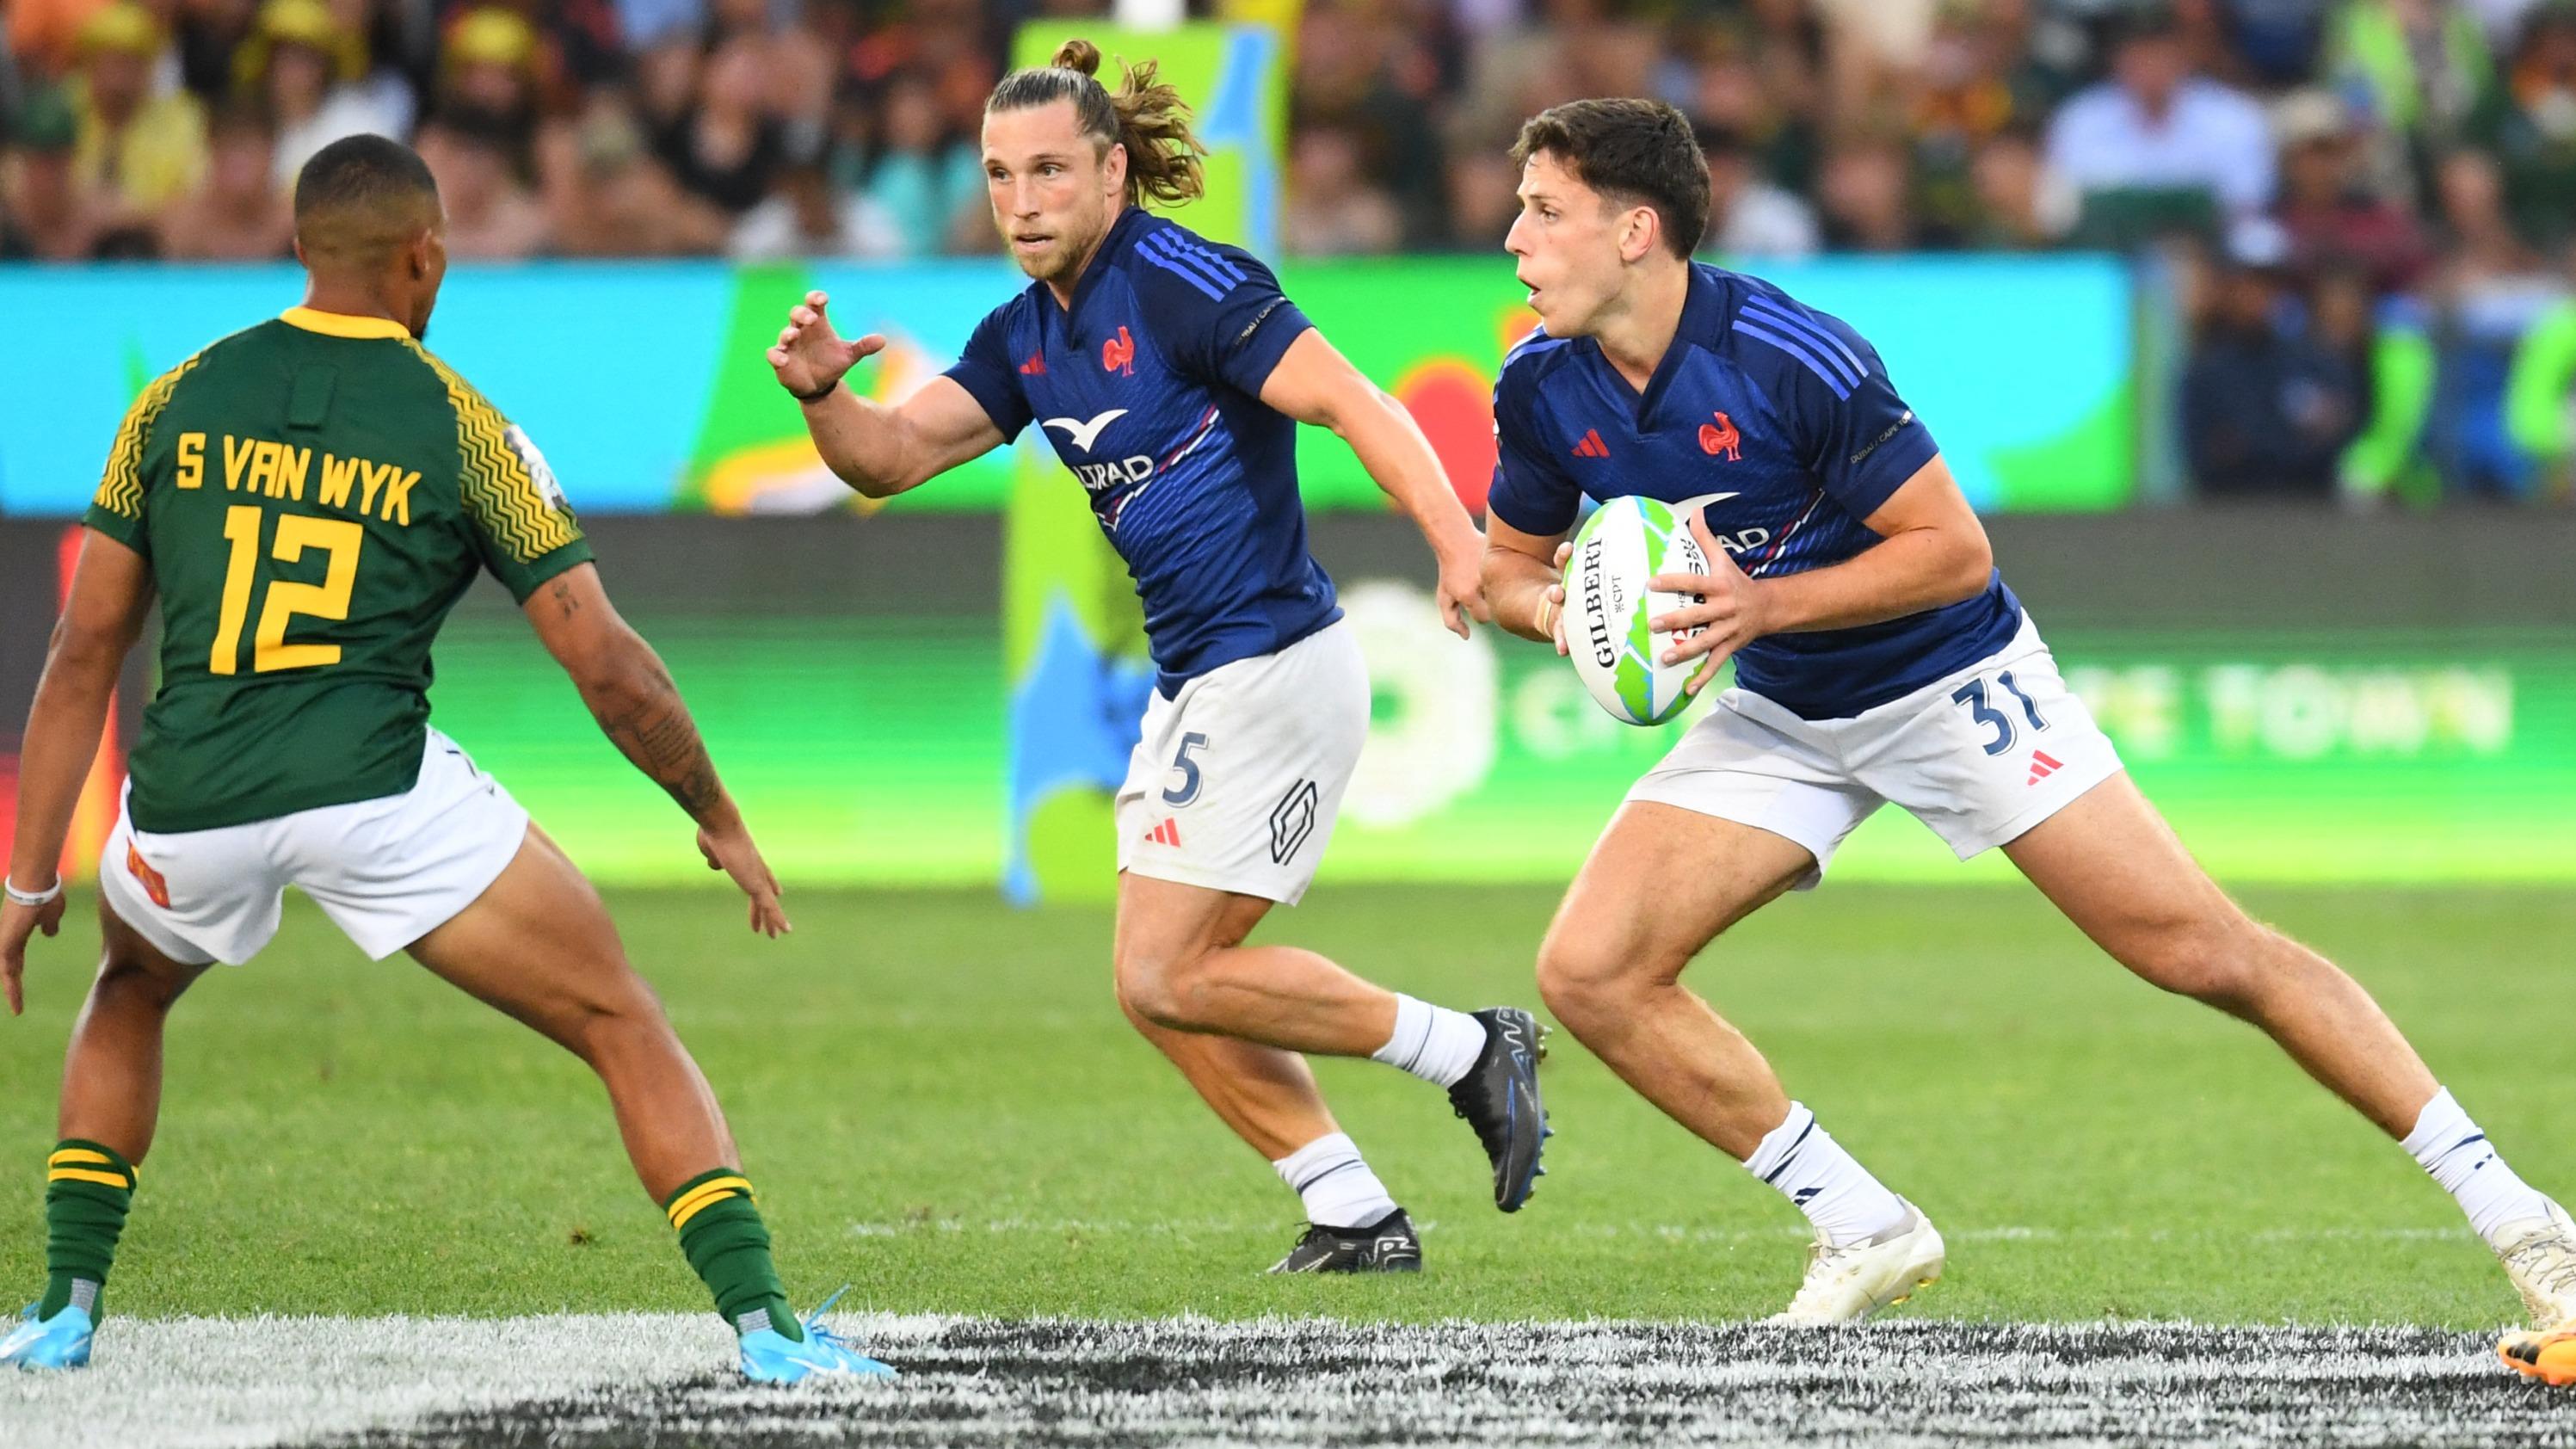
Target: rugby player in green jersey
(307, 499)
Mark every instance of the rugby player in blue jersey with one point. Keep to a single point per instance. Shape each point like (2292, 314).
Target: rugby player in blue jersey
(1878, 658)
(1170, 374)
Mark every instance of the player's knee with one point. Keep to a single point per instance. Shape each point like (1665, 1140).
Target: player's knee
(1159, 990)
(604, 1025)
(2215, 959)
(1584, 977)
(129, 982)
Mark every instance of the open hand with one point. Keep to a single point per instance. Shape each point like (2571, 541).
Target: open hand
(810, 356)
(1728, 616)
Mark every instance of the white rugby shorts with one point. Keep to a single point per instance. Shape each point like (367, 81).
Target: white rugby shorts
(387, 871)
(1235, 782)
(1981, 756)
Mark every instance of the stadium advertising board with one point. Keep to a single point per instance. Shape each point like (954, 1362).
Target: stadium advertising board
(2026, 366)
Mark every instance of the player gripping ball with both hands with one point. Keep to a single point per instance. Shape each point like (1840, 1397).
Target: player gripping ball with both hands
(1170, 373)
(1878, 658)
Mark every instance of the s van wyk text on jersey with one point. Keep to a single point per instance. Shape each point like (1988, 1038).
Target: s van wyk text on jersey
(270, 469)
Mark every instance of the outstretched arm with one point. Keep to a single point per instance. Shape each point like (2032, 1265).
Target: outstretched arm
(878, 450)
(1314, 383)
(111, 593)
(639, 708)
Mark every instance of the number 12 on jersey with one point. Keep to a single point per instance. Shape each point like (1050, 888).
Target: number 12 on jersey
(329, 599)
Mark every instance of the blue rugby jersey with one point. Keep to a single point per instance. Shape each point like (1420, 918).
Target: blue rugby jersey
(1149, 387)
(1787, 417)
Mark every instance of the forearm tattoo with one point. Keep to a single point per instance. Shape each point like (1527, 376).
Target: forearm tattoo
(658, 735)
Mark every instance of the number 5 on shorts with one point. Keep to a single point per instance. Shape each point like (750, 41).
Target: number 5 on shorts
(1188, 789)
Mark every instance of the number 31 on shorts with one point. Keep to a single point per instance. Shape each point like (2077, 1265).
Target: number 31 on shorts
(1978, 701)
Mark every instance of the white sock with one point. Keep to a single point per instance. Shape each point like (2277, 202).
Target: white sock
(1432, 1042)
(2460, 1158)
(1334, 1181)
(1813, 1171)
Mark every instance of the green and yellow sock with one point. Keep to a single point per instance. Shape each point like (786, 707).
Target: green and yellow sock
(88, 1188)
(727, 1243)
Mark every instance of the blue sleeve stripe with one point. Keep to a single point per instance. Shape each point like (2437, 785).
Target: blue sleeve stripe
(1199, 276)
(1811, 332)
(1814, 363)
(1767, 310)
(1537, 336)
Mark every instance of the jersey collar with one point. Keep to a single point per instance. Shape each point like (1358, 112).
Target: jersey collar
(1122, 234)
(341, 324)
(1703, 317)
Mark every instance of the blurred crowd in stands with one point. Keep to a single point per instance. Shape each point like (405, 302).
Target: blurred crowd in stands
(2363, 210)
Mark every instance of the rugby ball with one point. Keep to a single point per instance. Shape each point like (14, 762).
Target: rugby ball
(1625, 542)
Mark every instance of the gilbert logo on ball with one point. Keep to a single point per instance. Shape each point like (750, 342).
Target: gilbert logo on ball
(1615, 653)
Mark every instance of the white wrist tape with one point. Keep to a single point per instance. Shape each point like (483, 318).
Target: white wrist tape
(31, 898)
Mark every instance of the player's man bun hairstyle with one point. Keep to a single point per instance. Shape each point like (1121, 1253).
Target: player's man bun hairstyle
(1146, 116)
(1633, 152)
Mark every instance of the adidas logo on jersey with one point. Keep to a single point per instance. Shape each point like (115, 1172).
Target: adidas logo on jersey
(1035, 366)
(1167, 833)
(1591, 446)
(2041, 767)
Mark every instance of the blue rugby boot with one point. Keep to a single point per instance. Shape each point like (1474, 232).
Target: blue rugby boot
(59, 1342)
(771, 1357)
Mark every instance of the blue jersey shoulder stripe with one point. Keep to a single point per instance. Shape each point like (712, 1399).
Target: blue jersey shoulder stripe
(1163, 250)
(1172, 262)
(1808, 329)
(1200, 251)
(1813, 363)
(1192, 275)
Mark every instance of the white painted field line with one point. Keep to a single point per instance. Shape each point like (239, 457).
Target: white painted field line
(211, 1383)
(217, 1384)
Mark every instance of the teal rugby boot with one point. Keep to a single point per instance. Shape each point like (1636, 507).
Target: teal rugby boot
(771, 1357)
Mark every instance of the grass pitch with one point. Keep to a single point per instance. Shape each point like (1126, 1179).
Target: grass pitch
(942, 1107)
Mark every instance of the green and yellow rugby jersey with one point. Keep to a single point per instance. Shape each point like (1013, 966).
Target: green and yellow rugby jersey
(313, 494)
